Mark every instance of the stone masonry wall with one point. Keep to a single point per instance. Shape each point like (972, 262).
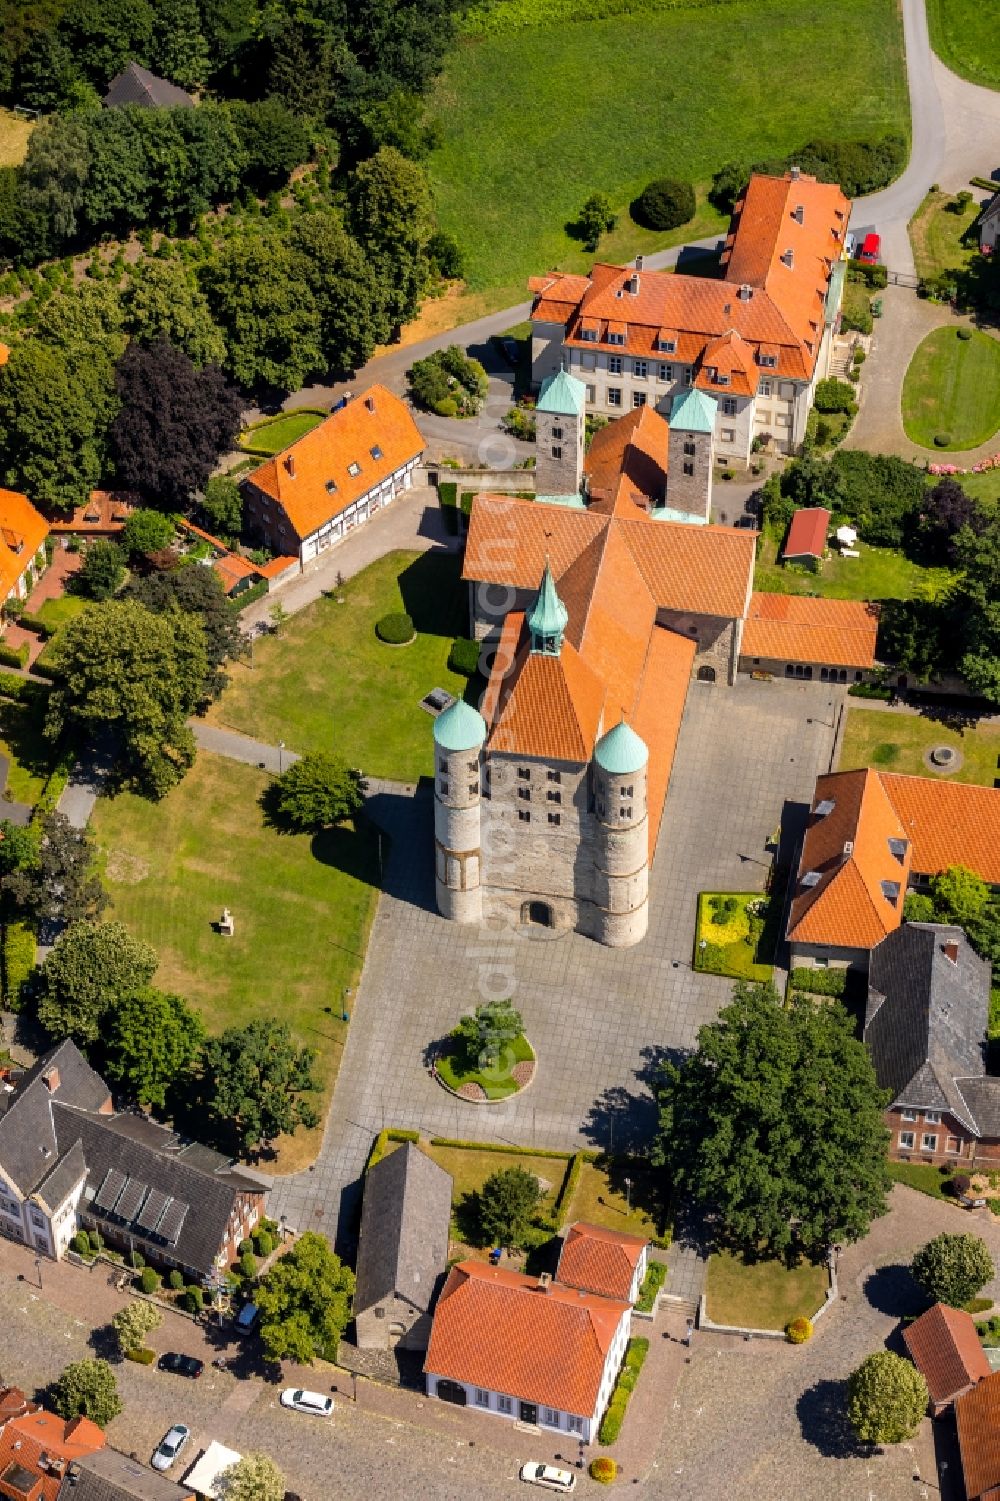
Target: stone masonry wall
(690, 492)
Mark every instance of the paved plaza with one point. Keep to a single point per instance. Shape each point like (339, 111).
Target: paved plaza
(598, 1017)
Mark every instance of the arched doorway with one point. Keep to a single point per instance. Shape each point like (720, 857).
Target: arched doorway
(706, 674)
(450, 1391)
(537, 914)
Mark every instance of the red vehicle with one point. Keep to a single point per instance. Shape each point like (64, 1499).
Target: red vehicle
(870, 249)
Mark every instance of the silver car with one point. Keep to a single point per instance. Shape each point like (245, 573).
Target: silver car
(313, 1403)
(170, 1446)
(549, 1476)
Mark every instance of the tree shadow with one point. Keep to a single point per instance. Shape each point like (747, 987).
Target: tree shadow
(822, 1415)
(893, 1291)
(621, 1123)
(433, 594)
(104, 1343)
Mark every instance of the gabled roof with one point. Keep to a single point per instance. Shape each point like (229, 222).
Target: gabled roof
(405, 1223)
(796, 628)
(599, 1260)
(977, 1415)
(23, 1442)
(807, 533)
(547, 706)
(104, 514)
(312, 479)
(22, 532)
(29, 1149)
(948, 823)
(927, 1016)
(108, 1475)
(728, 366)
(510, 1333)
(634, 448)
(136, 85)
(944, 1347)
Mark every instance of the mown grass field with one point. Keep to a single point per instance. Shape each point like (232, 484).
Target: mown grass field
(898, 742)
(327, 683)
(762, 1294)
(537, 119)
(302, 908)
(952, 389)
(271, 437)
(964, 36)
(936, 234)
(879, 573)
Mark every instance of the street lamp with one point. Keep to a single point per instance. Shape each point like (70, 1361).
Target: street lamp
(281, 747)
(38, 1269)
(345, 1015)
(628, 1193)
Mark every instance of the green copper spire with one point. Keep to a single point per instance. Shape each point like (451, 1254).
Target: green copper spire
(547, 618)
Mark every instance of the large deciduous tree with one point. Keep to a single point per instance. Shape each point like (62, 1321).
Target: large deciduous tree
(255, 1477)
(392, 217)
(163, 301)
(58, 883)
(199, 593)
(272, 325)
(91, 969)
(886, 1398)
(349, 300)
(774, 1126)
(55, 408)
(174, 422)
(256, 1077)
(87, 1389)
(506, 1204)
(305, 1302)
(316, 792)
(133, 1322)
(151, 1039)
(138, 675)
(953, 1268)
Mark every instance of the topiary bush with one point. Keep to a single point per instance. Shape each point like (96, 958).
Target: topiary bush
(194, 1299)
(149, 1281)
(248, 1264)
(664, 204)
(176, 1280)
(81, 1243)
(965, 334)
(603, 1469)
(941, 440)
(395, 629)
(263, 1245)
(246, 1244)
(797, 1331)
(464, 657)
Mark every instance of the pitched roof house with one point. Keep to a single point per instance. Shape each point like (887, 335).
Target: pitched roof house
(137, 85)
(526, 1348)
(36, 1451)
(786, 629)
(22, 539)
(871, 834)
(944, 1347)
(67, 1160)
(806, 540)
(108, 1475)
(336, 477)
(403, 1249)
(977, 1416)
(607, 1262)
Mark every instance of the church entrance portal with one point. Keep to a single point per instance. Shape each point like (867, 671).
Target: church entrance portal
(706, 674)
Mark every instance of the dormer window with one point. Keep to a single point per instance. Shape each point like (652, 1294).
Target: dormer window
(616, 338)
(898, 848)
(354, 470)
(666, 346)
(589, 335)
(718, 379)
(769, 361)
(890, 890)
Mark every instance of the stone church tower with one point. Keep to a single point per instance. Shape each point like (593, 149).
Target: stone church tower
(621, 846)
(691, 454)
(458, 740)
(560, 423)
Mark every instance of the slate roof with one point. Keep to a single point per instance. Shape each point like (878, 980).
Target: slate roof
(64, 1177)
(405, 1223)
(945, 1348)
(136, 85)
(29, 1149)
(111, 1476)
(927, 1017)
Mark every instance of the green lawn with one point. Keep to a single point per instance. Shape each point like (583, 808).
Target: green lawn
(600, 1198)
(879, 573)
(762, 1295)
(984, 487)
(537, 119)
(302, 909)
(964, 36)
(58, 612)
(326, 682)
(936, 235)
(32, 757)
(270, 437)
(14, 133)
(952, 388)
(921, 1176)
(897, 742)
(456, 1068)
(727, 948)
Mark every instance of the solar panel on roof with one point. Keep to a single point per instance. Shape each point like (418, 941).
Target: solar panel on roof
(132, 1197)
(154, 1206)
(173, 1218)
(107, 1195)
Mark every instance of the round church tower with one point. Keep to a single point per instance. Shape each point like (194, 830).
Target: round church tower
(621, 853)
(458, 739)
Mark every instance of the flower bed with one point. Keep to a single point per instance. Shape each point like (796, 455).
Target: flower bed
(729, 934)
(467, 1080)
(983, 467)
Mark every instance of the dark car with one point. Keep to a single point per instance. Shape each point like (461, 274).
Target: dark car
(180, 1365)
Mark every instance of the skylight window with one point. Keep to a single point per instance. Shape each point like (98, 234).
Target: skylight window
(375, 451)
(331, 486)
(354, 470)
(811, 878)
(825, 806)
(890, 890)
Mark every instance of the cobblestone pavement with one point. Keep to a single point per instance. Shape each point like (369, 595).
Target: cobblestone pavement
(764, 1420)
(597, 1016)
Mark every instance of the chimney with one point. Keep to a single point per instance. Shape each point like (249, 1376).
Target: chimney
(745, 293)
(638, 263)
(950, 950)
(788, 258)
(795, 174)
(632, 285)
(370, 403)
(799, 213)
(51, 1080)
(544, 1282)
(290, 465)
(848, 848)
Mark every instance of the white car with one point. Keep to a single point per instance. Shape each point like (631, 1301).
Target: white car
(170, 1446)
(850, 246)
(550, 1476)
(311, 1402)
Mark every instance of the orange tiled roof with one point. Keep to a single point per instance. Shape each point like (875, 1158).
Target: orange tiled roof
(633, 448)
(548, 706)
(277, 566)
(945, 1348)
(374, 433)
(18, 521)
(23, 1441)
(599, 1260)
(948, 823)
(503, 1331)
(104, 513)
(794, 628)
(764, 303)
(848, 848)
(977, 1414)
(728, 366)
(658, 713)
(4, 354)
(231, 570)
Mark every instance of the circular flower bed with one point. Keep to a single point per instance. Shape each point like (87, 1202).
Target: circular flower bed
(480, 1081)
(395, 629)
(603, 1469)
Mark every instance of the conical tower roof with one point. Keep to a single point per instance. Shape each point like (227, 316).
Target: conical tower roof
(621, 751)
(547, 617)
(459, 728)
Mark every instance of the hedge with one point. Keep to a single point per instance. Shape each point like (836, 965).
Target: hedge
(819, 981)
(37, 624)
(141, 1357)
(379, 1144)
(18, 962)
(395, 629)
(13, 656)
(250, 596)
(656, 1276)
(149, 1281)
(565, 1195)
(875, 276)
(464, 657)
(495, 1146)
(611, 1423)
(870, 690)
(43, 669)
(448, 501)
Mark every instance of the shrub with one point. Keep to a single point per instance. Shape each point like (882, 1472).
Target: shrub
(834, 395)
(952, 1268)
(521, 424)
(176, 1280)
(395, 629)
(941, 440)
(797, 1331)
(447, 406)
(136, 1260)
(870, 690)
(664, 204)
(858, 319)
(141, 1357)
(81, 1243)
(819, 981)
(965, 334)
(35, 623)
(464, 657)
(959, 1185)
(262, 1243)
(603, 1469)
(96, 1240)
(246, 1244)
(859, 356)
(149, 1281)
(194, 1299)
(13, 656)
(248, 1264)
(656, 1276)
